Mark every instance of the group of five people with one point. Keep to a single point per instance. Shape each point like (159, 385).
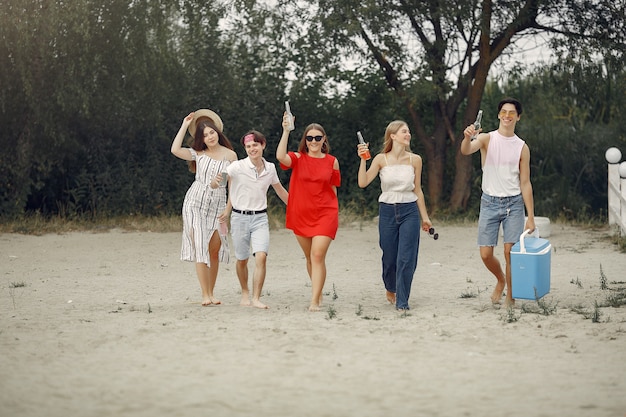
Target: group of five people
(226, 188)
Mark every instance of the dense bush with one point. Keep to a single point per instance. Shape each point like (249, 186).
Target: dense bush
(92, 94)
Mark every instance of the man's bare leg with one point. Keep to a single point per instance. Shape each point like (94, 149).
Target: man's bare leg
(258, 279)
(508, 301)
(391, 297)
(493, 265)
(242, 274)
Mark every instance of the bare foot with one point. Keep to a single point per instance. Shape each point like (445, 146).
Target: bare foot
(206, 301)
(245, 300)
(259, 304)
(509, 303)
(314, 307)
(391, 297)
(496, 296)
(214, 300)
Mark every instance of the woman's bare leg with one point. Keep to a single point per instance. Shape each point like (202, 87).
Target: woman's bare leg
(317, 248)
(202, 270)
(214, 249)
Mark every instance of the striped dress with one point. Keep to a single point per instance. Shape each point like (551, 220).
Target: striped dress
(201, 207)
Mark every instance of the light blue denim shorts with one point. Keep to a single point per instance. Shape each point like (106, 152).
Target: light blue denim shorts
(249, 231)
(496, 211)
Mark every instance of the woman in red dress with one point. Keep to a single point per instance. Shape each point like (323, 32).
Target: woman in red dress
(312, 208)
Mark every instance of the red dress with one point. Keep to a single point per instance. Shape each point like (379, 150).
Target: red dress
(312, 208)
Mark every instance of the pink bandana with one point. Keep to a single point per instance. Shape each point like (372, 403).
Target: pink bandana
(248, 138)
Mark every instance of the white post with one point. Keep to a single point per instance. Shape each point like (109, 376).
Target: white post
(614, 193)
(613, 156)
(622, 174)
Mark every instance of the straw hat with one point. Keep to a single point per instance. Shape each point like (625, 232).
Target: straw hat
(203, 114)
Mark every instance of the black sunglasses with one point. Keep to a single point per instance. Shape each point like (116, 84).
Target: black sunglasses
(317, 138)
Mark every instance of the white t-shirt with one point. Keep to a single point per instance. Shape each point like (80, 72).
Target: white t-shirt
(501, 168)
(248, 188)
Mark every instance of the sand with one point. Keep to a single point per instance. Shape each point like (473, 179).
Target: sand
(110, 324)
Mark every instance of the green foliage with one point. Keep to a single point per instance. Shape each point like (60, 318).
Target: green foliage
(84, 93)
(92, 93)
(437, 61)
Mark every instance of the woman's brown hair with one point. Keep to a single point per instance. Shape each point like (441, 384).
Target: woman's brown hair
(198, 140)
(325, 145)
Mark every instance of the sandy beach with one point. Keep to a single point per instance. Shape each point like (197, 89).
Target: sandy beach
(110, 324)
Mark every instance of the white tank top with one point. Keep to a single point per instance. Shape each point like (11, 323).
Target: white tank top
(501, 167)
(397, 183)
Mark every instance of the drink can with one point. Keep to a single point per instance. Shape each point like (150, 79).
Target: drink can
(224, 180)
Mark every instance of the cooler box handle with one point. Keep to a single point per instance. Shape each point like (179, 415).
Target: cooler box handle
(521, 241)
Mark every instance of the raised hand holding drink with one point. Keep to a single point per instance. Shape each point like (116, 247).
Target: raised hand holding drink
(365, 155)
(479, 118)
(291, 124)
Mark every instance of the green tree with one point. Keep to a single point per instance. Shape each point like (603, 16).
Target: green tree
(85, 95)
(449, 46)
(92, 92)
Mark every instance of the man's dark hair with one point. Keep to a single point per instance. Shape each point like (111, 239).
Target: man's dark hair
(510, 100)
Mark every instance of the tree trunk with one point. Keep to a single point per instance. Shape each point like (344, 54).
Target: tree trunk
(433, 160)
(461, 188)
(436, 166)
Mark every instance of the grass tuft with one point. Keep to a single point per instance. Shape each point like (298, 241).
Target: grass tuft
(510, 316)
(577, 282)
(603, 280)
(331, 312)
(596, 315)
(468, 294)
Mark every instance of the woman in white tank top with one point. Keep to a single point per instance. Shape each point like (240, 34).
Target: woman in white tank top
(402, 209)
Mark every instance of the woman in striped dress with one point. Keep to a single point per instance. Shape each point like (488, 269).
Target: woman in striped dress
(204, 238)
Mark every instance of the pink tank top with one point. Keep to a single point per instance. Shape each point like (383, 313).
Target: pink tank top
(501, 167)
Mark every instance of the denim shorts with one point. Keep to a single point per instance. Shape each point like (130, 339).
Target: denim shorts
(249, 231)
(494, 211)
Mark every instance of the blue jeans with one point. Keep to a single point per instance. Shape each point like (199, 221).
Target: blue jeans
(399, 239)
(508, 211)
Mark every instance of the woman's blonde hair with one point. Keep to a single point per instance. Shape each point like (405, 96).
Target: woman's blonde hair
(392, 129)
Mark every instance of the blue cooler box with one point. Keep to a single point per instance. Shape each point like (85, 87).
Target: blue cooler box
(530, 267)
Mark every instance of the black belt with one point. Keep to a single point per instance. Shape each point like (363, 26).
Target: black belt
(250, 212)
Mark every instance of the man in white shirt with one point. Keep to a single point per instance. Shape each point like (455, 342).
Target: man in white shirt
(505, 160)
(248, 182)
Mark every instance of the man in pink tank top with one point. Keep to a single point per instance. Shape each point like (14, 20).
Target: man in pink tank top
(505, 160)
